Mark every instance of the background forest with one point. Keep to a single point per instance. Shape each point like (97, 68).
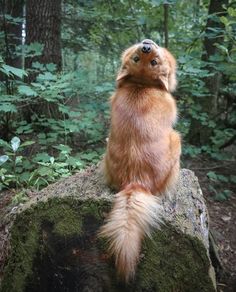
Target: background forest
(58, 62)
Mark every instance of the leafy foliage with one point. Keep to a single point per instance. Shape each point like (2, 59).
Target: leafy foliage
(217, 179)
(19, 170)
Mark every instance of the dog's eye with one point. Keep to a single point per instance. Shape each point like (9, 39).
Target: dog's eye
(153, 62)
(136, 59)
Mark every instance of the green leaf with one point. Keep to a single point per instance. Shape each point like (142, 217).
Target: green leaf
(37, 47)
(8, 70)
(90, 156)
(25, 176)
(33, 49)
(47, 76)
(63, 148)
(222, 196)
(37, 65)
(74, 162)
(26, 129)
(42, 136)
(224, 20)
(4, 144)
(15, 143)
(27, 143)
(26, 90)
(3, 159)
(38, 85)
(212, 175)
(43, 157)
(222, 178)
(44, 171)
(18, 159)
(13, 20)
(222, 48)
(232, 11)
(51, 67)
(8, 108)
(52, 160)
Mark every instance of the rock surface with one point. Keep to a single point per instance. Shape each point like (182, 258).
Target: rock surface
(52, 242)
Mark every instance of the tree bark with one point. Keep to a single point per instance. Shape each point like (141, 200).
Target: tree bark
(53, 244)
(43, 25)
(215, 8)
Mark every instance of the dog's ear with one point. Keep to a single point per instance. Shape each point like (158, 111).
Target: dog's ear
(122, 74)
(168, 81)
(172, 82)
(164, 81)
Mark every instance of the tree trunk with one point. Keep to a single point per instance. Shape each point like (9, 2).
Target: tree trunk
(43, 25)
(53, 244)
(215, 8)
(199, 134)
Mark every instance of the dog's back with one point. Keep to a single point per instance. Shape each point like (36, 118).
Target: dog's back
(143, 150)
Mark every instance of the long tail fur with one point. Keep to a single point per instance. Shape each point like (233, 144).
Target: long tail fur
(134, 212)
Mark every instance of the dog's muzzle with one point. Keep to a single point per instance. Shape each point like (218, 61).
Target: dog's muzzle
(146, 46)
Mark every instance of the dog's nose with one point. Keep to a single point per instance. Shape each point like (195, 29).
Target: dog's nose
(146, 48)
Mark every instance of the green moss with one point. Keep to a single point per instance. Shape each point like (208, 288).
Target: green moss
(92, 208)
(24, 244)
(66, 220)
(41, 232)
(181, 266)
(64, 216)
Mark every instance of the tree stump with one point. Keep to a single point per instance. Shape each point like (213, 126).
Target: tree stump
(53, 245)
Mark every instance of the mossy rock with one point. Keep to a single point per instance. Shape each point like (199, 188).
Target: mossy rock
(53, 243)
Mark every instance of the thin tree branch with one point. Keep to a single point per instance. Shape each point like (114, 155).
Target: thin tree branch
(166, 8)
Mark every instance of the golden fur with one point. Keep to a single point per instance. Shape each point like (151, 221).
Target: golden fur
(143, 151)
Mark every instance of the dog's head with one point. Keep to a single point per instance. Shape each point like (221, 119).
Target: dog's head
(147, 63)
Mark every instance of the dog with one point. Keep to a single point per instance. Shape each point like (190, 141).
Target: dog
(142, 159)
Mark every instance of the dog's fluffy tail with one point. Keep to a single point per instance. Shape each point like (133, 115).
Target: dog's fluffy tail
(134, 212)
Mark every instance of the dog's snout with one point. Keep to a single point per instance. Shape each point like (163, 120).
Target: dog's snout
(146, 48)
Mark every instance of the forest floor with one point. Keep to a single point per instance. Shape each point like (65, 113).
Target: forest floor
(222, 215)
